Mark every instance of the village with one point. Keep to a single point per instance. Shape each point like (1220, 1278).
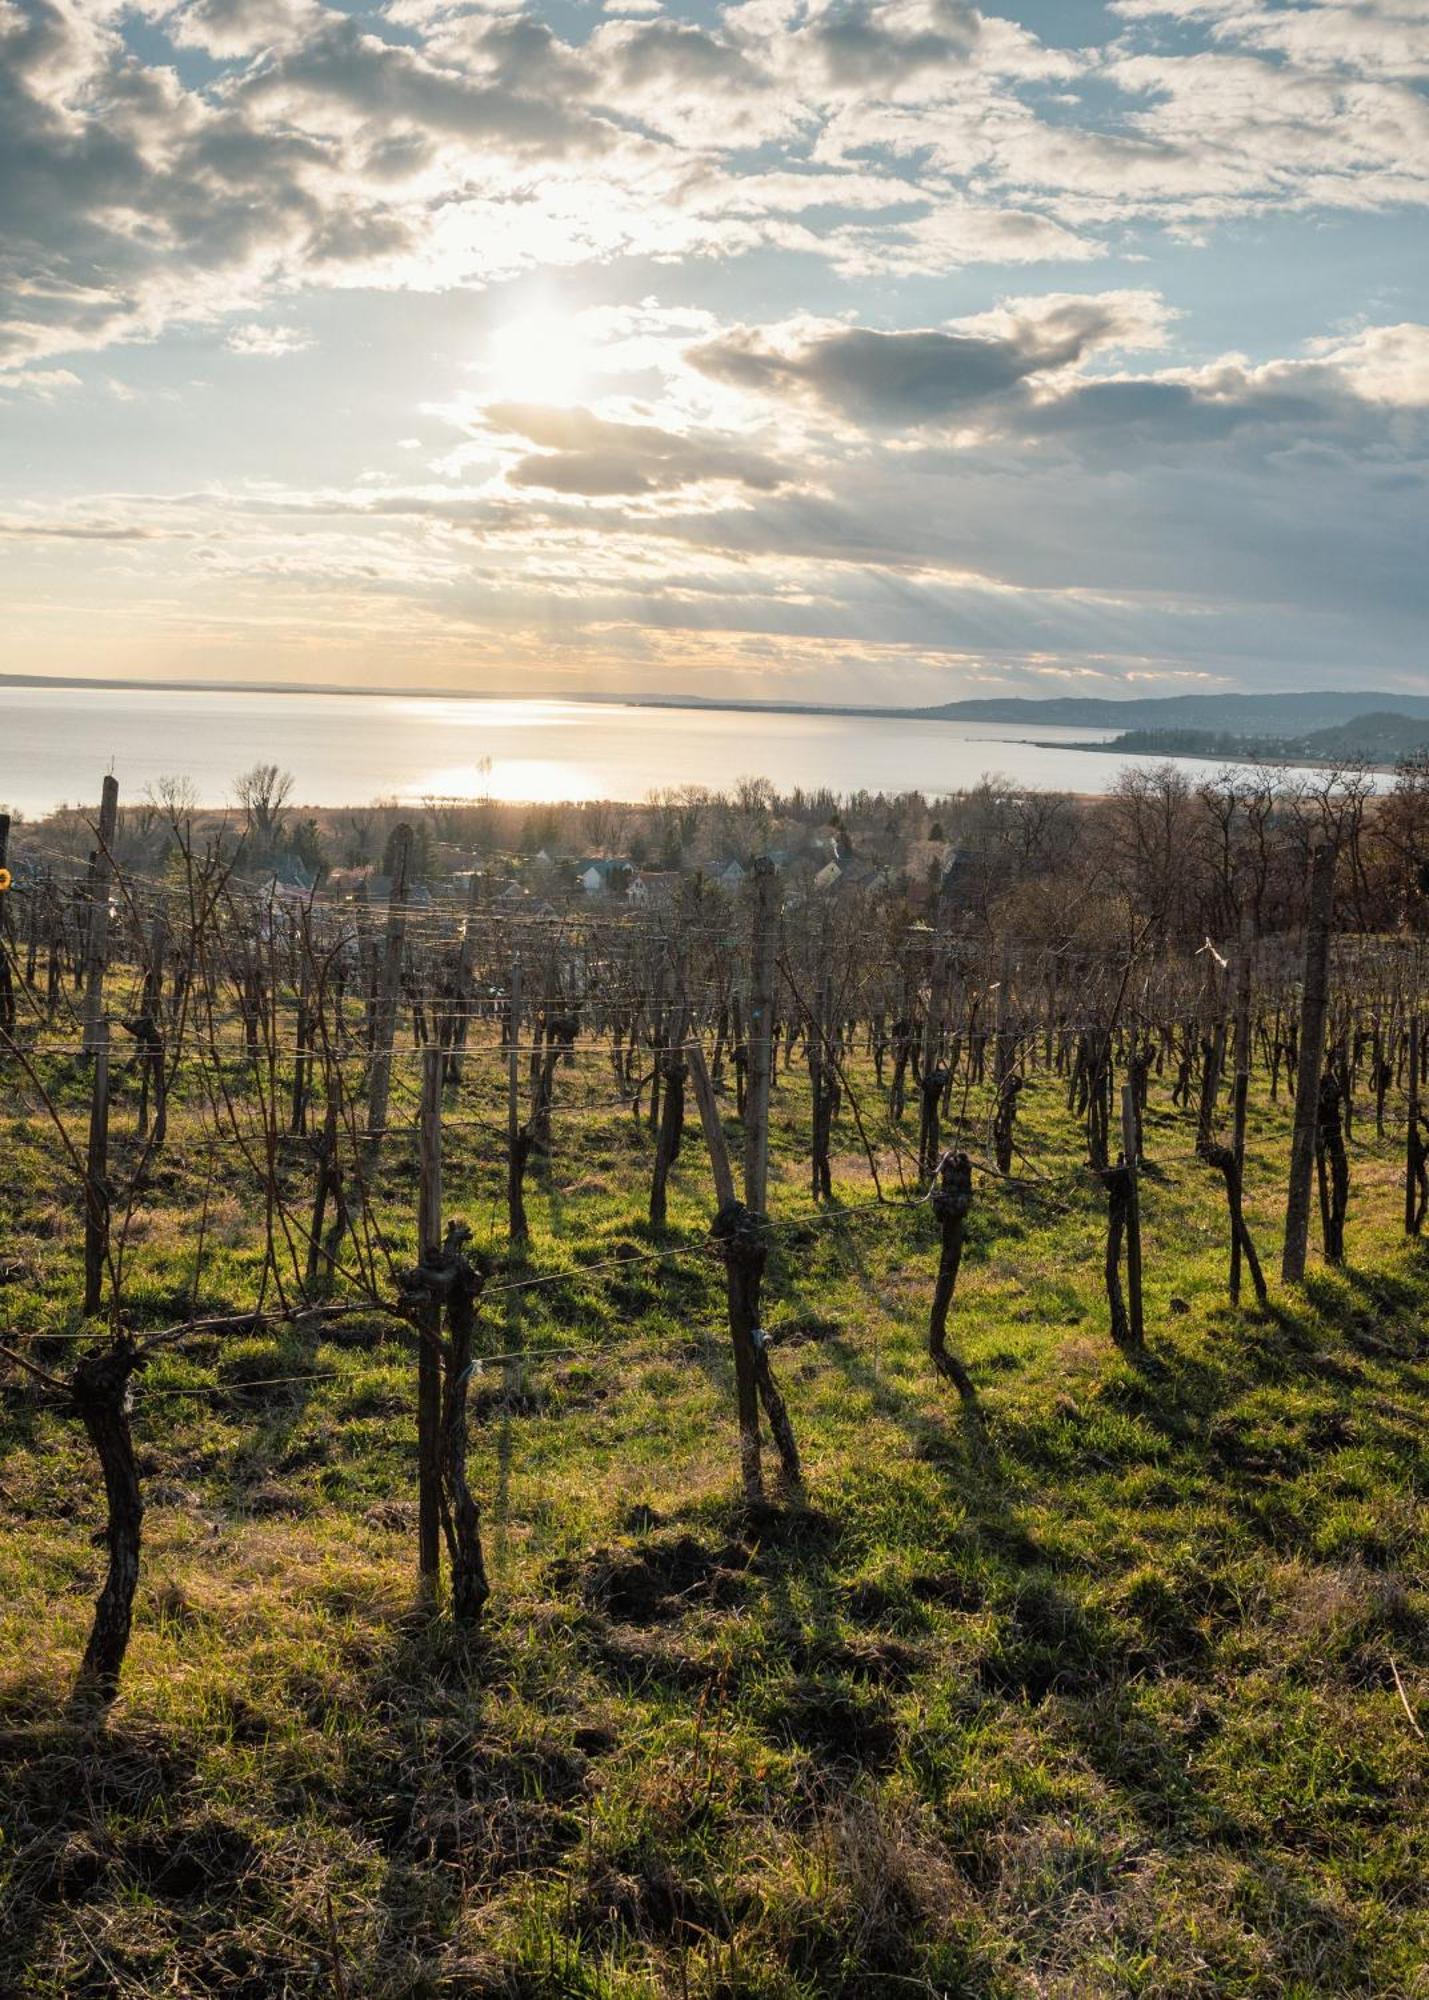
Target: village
(535, 860)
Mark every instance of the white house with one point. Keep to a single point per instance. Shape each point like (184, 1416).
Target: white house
(600, 874)
(651, 889)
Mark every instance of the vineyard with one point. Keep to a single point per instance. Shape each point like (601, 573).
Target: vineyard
(756, 1447)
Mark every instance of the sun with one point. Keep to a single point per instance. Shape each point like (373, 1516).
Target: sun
(541, 357)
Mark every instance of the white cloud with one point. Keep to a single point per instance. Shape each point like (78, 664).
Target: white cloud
(267, 341)
(768, 241)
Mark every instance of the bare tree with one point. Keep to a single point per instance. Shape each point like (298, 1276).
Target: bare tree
(263, 792)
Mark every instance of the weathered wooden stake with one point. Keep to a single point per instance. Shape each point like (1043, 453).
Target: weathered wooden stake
(7, 989)
(1244, 974)
(933, 1077)
(429, 1373)
(1136, 1320)
(97, 926)
(1416, 1174)
(459, 1029)
(96, 1184)
(518, 1139)
(764, 889)
(389, 987)
(1310, 1062)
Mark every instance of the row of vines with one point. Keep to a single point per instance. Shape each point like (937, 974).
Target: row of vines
(322, 1057)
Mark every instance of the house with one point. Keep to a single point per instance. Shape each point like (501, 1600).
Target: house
(852, 873)
(729, 874)
(602, 874)
(514, 897)
(652, 889)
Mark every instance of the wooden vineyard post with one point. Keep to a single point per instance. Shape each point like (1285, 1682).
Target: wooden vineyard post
(710, 1124)
(1136, 1316)
(933, 1075)
(951, 1200)
(761, 1037)
(459, 1029)
(1244, 974)
(389, 987)
(96, 1183)
(1310, 1062)
(1007, 1085)
(154, 992)
(7, 989)
(302, 1057)
(1416, 1174)
(96, 953)
(518, 1140)
(429, 1376)
(823, 1088)
(737, 1230)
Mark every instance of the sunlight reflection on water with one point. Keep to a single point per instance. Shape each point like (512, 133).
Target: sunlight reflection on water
(512, 778)
(56, 743)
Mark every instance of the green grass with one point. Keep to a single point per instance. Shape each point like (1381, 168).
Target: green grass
(1090, 1693)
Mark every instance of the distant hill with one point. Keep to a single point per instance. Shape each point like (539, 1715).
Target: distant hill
(1222, 714)
(1381, 738)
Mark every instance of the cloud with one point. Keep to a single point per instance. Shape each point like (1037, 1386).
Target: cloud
(1373, 37)
(928, 375)
(581, 454)
(858, 43)
(764, 230)
(442, 145)
(43, 383)
(226, 28)
(267, 341)
(1348, 392)
(1383, 364)
(508, 81)
(35, 528)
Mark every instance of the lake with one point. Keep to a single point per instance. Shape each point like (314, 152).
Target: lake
(57, 743)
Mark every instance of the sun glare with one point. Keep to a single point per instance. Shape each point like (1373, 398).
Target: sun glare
(539, 358)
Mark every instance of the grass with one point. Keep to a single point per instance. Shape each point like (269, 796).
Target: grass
(1114, 1687)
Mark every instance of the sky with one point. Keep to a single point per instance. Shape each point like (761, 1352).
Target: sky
(857, 352)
